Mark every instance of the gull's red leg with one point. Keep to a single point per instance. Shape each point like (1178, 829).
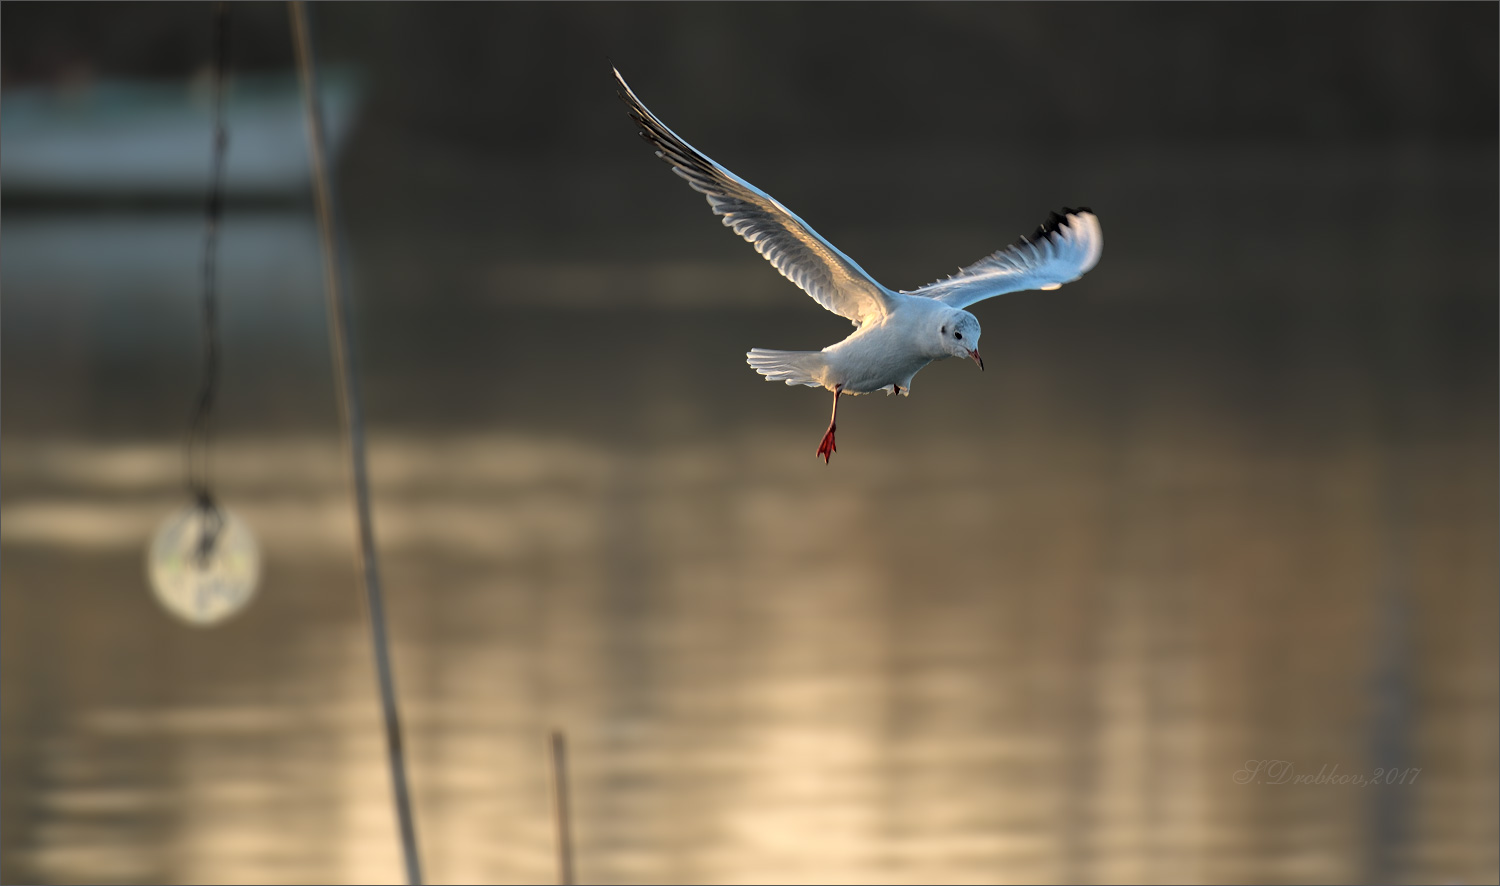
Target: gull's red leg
(827, 448)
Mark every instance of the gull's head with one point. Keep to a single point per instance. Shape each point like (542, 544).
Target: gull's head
(958, 334)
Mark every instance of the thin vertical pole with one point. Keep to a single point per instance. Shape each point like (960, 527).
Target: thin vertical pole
(339, 323)
(559, 750)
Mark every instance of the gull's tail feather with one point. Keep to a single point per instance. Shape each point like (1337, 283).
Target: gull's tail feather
(793, 367)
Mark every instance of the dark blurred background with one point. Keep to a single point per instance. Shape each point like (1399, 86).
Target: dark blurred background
(1229, 498)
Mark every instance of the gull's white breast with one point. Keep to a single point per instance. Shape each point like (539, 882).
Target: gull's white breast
(888, 352)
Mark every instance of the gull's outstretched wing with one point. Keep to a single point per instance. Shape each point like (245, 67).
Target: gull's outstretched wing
(1061, 250)
(830, 277)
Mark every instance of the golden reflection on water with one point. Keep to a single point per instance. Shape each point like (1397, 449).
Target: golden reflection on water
(934, 665)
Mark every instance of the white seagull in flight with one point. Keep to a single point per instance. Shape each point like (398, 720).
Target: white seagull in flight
(896, 333)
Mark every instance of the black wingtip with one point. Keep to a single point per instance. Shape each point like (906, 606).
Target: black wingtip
(1050, 226)
(624, 91)
(1055, 221)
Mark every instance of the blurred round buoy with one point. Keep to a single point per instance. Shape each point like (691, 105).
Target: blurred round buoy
(203, 564)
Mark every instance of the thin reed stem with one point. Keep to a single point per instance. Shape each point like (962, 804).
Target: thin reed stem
(559, 752)
(347, 379)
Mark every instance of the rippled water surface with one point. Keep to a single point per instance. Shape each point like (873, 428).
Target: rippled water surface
(1031, 625)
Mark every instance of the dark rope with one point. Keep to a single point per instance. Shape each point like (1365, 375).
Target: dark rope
(200, 428)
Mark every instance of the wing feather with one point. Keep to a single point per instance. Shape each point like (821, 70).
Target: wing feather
(787, 242)
(1062, 249)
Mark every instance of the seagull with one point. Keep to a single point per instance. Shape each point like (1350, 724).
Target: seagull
(896, 332)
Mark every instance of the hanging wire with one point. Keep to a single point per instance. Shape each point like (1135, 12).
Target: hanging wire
(350, 409)
(200, 427)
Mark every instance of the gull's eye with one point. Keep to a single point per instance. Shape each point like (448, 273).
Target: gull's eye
(958, 335)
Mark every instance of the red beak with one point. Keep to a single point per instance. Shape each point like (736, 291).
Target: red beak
(974, 355)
